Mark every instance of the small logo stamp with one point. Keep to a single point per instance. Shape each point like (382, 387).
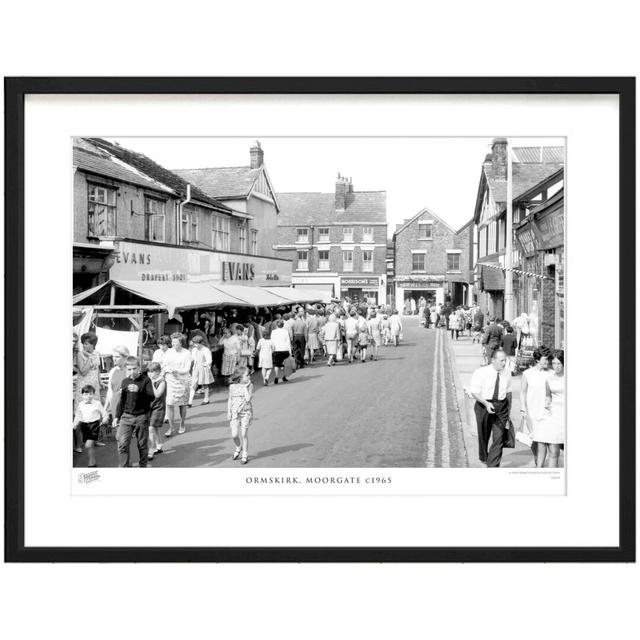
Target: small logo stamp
(88, 477)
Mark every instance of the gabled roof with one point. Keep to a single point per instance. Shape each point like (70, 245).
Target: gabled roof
(406, 223)
(525, 177)
(224, 183)
(306, 208)
(138, 163)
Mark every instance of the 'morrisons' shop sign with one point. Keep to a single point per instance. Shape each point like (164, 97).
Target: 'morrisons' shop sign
(137, 261)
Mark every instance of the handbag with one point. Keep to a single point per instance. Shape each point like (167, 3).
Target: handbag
(522, 434)
(246, 352)
(509, 438)
(289, 365)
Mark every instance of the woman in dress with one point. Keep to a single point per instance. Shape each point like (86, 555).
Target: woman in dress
(177, 367)
(331, 337)
(533, 391)
(201, 375)
(375, 331)
(395, 327)
(548, 432)
(265, 356)
(312, 340)
(231, 352)
(281, 349)
(117, 374)
(322, 320)
(247, 347)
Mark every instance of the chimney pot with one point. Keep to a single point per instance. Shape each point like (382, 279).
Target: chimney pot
(256, 155)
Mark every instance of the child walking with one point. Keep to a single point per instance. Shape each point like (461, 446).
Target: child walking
(158, 409)
(265, 357)
(240, 412)
(201, 374)
(89, 415)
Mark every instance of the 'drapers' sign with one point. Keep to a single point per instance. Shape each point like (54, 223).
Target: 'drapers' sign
(238, 271)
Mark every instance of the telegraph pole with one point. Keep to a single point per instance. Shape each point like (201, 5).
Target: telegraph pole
(508, 274)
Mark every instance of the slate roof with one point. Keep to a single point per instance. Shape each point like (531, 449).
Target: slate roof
(223, 183)
(306, 208)
(525, 177)
(150, 170)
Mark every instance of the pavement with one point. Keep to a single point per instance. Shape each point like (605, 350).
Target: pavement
(399, 411)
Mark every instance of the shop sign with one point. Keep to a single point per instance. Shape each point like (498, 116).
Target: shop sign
(238, 270)
(359, 282)
(552, 229)
(425, 284)
(527, 240)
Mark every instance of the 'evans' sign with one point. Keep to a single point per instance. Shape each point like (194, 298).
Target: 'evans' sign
(238, 270)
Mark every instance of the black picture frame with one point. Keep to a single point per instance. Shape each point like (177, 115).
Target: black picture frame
(15, 91)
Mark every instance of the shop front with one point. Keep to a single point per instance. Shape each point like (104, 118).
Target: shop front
(431, 288)
(363, 289)
(327, 282)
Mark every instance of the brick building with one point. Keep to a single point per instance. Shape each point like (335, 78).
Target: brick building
(337, 241)
(431, 260)
(136, 220)
(532, 167)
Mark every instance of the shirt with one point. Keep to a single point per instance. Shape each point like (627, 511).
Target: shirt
(89, 411)
(351, 326)
(280, 339)
(483, 382)
(138, 402)
(300, 327)
(160, 403)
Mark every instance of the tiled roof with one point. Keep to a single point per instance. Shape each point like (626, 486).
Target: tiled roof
(525, 177)
(140, 163)
(305, 208)
(94, 160)
(222, 182)
(539, 154)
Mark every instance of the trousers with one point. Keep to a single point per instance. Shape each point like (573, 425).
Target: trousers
(128, 427)
(491, 425)
(299, 346)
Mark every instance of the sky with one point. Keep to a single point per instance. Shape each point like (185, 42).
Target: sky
(441, 174)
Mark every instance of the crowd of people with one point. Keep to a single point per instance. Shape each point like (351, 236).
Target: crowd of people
(224, 347)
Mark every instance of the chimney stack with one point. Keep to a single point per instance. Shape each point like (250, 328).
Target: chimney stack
(343, 187)
(257, 156)
(499, 158)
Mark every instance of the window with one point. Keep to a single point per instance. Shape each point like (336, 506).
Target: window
(243, 238)
(347, 234)
(101, 211)
(189, 226)
(482, 242)
(418, 261)
(154, 219)
(492, 238)
(502, 233)
(254, 242)
(424, 230)
(303, 236)
(453, 262)
(347, 260)
(367, 261)
(303, 261)
(323, 260)
(221, 232)
(367, 234)
(323, 234)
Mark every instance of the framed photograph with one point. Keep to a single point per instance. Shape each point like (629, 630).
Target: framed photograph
(320, 319)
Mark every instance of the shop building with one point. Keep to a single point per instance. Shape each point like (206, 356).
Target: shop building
(337, 241)
(534, 171)
(247, 189)
(431, 260)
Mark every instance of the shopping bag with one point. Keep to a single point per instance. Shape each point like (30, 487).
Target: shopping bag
(509, 439)
(522, 434)
(289, 366)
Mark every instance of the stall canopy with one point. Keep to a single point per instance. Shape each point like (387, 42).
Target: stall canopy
(292, 295)
(192, 295)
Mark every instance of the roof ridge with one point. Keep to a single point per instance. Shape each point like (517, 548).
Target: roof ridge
(211, 168)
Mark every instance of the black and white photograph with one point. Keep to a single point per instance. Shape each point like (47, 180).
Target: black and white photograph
(318, 302)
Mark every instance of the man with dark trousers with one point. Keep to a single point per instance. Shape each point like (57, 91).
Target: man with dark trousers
(492, 339)
(491, 387)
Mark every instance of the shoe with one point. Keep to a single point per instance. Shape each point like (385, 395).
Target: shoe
(276, 381)
(168, 434)
(181, 430)
(150, 457)
(189, 406)
(236, 454)
(92, 465)
(244, 459)
(205, 402)
(100, 444)
(284, 379)
(157, 451)
(78, 449)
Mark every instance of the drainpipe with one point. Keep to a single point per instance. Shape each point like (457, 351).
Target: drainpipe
(180, 208)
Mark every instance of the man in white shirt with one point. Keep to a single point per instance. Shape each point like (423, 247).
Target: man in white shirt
(491, 387)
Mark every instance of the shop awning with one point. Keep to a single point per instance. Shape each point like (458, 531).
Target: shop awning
(255, 296)
(172, 295)
(292, 295)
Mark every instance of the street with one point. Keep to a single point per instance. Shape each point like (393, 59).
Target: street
(400, 411)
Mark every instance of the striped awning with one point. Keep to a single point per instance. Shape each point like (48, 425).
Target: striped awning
(518, 271)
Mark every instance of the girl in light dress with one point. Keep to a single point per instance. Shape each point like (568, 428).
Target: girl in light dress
(247, 347)
(231, 352)
(548, 432)
(375, 331)
(177, 367)
(240, 412)
(385, 326)
(265, 356)
(201, 375)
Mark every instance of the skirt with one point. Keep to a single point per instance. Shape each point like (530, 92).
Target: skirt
(202, 375)
(312, 342)
(376, 338)
(178, 390)
(279, 357)
(265, 360)
(332, 347)
(229, 363)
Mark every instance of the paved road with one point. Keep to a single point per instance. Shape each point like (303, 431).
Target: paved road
(400, 411)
